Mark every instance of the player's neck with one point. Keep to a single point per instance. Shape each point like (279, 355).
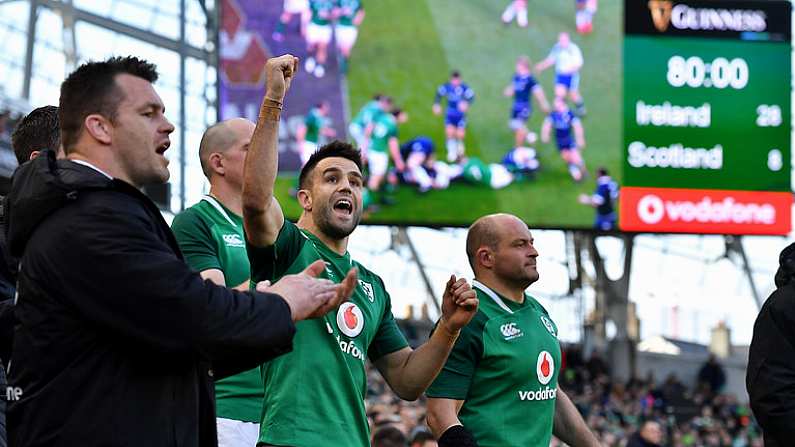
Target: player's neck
(228, 196)
(503, 288)
(339, 246)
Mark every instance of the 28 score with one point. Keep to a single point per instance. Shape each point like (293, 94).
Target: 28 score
(720, 73)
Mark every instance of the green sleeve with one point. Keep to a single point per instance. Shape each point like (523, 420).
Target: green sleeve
(393, 131)
(455, 377)
(271, 262)
(195, 241)
(388, 339)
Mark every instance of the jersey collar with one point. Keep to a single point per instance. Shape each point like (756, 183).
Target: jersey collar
(319, 245)
(214, 202)
(493, 295)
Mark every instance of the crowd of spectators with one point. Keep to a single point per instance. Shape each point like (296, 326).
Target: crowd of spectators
(638, 413)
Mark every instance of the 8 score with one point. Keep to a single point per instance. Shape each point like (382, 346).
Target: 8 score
(720, 73)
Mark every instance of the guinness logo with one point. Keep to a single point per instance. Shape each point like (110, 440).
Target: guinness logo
(660, 14)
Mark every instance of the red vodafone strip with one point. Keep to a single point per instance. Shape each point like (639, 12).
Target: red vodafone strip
(705, 211)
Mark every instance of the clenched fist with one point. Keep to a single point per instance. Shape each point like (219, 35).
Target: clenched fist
(280, 73)
(459, 304)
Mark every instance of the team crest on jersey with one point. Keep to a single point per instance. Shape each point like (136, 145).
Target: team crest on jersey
(548, 324)
(368, 290)
(350, 319)
(545, 367)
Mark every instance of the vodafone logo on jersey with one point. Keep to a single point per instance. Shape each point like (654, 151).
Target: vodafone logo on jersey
(545, 367)
(705, 211)
(350, 319)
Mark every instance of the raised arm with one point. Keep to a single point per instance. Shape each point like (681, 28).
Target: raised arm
(262, 214)
(409, 372)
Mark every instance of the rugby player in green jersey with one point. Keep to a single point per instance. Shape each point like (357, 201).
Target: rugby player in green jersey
(362, 124)
(318, 35)
(317, 124)
(210, 235)
(315, 395)
(499, 387)
(350, 14)
(379, 149)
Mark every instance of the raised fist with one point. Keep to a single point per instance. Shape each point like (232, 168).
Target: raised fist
(280, 71)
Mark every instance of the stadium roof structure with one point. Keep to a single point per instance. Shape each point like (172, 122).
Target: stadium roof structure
(43, 40)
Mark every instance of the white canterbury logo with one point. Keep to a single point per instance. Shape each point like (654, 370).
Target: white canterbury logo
(233, 240)
(510, 331)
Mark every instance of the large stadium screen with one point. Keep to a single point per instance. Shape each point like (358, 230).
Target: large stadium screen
(707, 89)
(547, 110)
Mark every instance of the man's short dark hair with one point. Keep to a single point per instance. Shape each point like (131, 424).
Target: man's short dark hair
(92, 89)
(389, 436)
(336, 148)
(37, 131)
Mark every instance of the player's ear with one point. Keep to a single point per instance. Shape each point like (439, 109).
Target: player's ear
(485, 257)
(216, 163)
(305, 199)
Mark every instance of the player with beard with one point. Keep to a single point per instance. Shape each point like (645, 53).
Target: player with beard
(315, 395)
(500, 384)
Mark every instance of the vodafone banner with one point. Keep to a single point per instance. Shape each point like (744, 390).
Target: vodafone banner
(705, 211)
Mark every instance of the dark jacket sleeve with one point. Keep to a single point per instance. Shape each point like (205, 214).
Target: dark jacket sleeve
(770, 377)
(7, 322)
(132, 284)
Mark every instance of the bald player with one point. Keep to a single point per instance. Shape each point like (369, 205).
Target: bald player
(210, 235)
(499, 386)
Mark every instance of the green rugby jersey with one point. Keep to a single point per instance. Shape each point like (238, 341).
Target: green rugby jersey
(314, 121)
(318, 6)
(211, 237)
(315, 394)
(367, 114)
(476, 171)
(349, 10)
(504, 366)
(385, 128)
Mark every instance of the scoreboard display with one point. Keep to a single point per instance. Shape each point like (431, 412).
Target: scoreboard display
(669, 116)
(707, 117)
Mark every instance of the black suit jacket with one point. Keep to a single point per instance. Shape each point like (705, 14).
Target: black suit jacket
(118, 341)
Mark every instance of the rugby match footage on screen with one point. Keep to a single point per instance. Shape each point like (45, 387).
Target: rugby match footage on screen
(553, 111)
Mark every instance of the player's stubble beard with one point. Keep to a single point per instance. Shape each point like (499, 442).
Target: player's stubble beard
(324, 219)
